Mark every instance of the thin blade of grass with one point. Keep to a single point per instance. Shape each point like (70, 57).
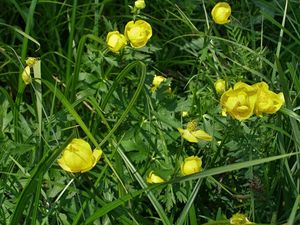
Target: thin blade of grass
(294, 211)
(26, 195)
(189, 204)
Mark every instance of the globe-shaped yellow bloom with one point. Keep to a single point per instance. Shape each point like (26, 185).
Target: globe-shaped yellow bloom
(139, 4)
(239, 219)
(115, 41)
(267, 101)
(79, 157)
(26, 75)
(220, 86)
(154, 179)
(191, 165)
(239, 102)
(221, 12)
(138, 33)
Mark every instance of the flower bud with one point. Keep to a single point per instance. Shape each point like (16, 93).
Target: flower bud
(30, 61)
(139, 4)
(78, 156)
(220, 86)
(221, 13)
(154, 179)
(115, 41)
(157, 80)
(239, 219)
(138, 33)
(191, 165)
(184, 113)
(26, 75)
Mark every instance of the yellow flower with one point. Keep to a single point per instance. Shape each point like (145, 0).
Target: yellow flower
(267, 101)
(115, 41)
(30, 61)
(157, 80)
(26, 75)
(239, 219)
(239, 102)
(191, 134)
(191, 165)
(221, 12)
(78, 156)
(220, 86)
(154, 179)
(138, 33)
(139, 4)
(184, 113)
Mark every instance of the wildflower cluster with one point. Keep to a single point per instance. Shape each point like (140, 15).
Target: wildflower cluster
(243, 100)
(137, 33)
(191, 164)
(240, 102)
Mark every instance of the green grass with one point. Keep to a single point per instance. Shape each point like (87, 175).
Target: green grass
(81, 89)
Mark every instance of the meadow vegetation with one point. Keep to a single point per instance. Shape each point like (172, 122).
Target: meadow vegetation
(149, 112)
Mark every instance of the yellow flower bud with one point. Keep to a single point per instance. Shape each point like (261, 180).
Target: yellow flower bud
(115, 41)
(267, 101)
(139, 4)
(220, 86)
(239, 219)
(239, 102)
(79, 157)
(184, 113)
(191, 165)
(138, 33)
(154, 179)
(26, 75)
(221, 12)
(157, 80)
(30, 61)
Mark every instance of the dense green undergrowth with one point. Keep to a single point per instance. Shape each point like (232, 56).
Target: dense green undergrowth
(80, 89)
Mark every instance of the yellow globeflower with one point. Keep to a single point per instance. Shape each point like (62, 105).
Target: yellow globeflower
(26, 75)
(191, 165)
(267, 101)
(157, 80)
(239, 219)
(154, 179)
(191, 133)
(220, 86)
(138, 33)
(139, 4)
(221, 12)
(115, 41)
(79, 157)
(239, 102)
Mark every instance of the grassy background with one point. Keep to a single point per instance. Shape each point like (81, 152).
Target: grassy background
(82, 90)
